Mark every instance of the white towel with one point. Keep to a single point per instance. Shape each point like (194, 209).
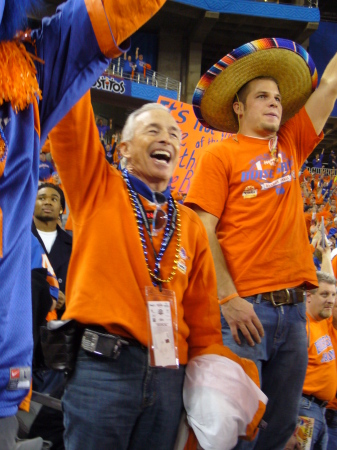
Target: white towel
(220, 401)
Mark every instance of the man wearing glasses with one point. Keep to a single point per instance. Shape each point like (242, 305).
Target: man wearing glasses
(145, 296)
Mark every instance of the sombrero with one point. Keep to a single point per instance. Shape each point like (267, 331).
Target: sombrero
(281, 59)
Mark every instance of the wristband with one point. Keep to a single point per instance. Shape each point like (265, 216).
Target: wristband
(229, 297)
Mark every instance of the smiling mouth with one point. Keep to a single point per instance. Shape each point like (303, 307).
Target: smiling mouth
(161, 156)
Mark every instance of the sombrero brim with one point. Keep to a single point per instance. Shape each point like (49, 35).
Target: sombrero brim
(281, 59)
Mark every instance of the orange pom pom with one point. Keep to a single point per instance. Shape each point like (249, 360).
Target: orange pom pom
(18, 83)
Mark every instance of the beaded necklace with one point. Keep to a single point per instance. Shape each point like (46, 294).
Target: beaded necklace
(170, 227)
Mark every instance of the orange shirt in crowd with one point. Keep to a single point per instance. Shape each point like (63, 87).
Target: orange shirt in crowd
(259, 205)
(333, 334)
(328, 218)
(321, 376)
(305, 176)
(107, 273)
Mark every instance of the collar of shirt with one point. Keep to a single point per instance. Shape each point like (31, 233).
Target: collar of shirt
(143, 189)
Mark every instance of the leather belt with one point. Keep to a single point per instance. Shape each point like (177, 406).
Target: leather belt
(290, 296)
(312, 398)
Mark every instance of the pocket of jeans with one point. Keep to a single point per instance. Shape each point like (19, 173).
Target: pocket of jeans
(301, 310)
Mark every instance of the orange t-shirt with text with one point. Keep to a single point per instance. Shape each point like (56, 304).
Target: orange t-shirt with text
(258, 202)
(321, 376)
(333, 334)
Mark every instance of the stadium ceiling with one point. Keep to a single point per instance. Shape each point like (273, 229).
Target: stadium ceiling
(220, 33)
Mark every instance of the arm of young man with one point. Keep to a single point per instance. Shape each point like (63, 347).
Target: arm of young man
(239, 313)
(321, 102)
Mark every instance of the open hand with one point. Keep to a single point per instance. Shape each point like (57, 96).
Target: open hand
(240, 315)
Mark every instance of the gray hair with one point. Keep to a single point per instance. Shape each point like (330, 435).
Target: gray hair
(324, 277)
(129, 127)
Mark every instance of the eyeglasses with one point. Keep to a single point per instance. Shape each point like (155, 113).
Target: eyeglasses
(159, 220)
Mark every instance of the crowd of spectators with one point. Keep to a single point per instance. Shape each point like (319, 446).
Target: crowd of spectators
(319, 193)
(137, 66)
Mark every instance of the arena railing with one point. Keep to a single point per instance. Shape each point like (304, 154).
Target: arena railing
(322, 171)
(151, 77)
(307, 3)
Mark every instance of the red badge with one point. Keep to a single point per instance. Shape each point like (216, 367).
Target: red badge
(15, 373)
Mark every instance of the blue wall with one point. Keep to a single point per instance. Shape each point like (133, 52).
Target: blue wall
(322, 47)
(255, 8)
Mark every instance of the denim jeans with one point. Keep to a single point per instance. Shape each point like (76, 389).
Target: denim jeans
(332, 432)
(281, 359)
(320, 433)
(122, 404)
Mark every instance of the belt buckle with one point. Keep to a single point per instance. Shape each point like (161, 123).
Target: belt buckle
(283, 303)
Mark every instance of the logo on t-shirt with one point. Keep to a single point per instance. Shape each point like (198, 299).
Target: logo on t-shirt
(269, 173)
(249, 192)
(181, 265)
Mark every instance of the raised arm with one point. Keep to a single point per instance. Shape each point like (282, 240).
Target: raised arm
(321, 102)
(75, 44)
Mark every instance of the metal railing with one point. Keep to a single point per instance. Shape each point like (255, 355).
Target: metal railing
(150, 77)
(308, 3)
(322, 171)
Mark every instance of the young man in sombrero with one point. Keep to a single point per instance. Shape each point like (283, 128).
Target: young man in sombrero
(43, 74)
(247, 193)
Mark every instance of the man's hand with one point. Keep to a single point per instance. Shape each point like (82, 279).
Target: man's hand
(317, 237)
(61, 300)
(240, 315)
(292, 444)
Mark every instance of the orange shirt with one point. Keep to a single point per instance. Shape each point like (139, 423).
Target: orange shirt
(333, 334)
(307, 174)
(258, 202)
(69, 224)
(107, 273)
(321, 376)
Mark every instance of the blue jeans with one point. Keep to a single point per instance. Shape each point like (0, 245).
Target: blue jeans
(281, 359)
(320, 433)
(332, 432)
(122, 404)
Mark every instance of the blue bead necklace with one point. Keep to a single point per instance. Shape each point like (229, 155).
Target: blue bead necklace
(169, 230)
(3, 146)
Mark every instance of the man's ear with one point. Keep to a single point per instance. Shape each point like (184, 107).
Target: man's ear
(238, 108)
(308, 296)
(124, 149)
